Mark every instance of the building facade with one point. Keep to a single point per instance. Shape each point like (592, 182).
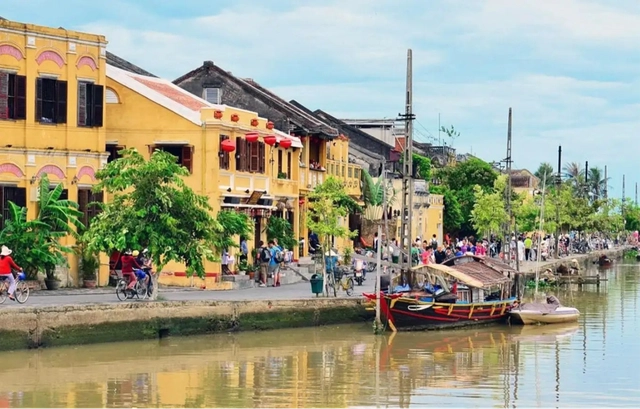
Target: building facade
(315, 160)
(51, 117)
(257, 175)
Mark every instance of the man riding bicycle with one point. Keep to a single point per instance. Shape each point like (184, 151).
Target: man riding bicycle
(128, 263)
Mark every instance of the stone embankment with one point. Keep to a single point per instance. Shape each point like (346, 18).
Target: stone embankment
(83, 324)
(528, 268)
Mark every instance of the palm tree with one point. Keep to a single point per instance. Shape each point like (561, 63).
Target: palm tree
(573, 173)
(545, 172)
(597, 184)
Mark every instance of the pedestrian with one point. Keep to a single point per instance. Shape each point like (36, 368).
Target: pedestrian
(264, 257)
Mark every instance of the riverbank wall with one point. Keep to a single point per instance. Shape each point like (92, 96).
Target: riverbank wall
(95, 323)
(528, 269)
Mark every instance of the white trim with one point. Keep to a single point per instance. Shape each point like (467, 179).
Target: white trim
(9, 70)
(48, 75)
(87, 80)
(247, 206)
(295, 142)
(53, 37)
(111, 96)
(129, 80)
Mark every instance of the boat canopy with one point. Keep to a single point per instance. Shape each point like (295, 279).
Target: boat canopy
(469, 270)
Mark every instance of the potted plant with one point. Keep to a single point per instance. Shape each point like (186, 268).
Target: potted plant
(89, 264)
(251, 270)
(282, 175)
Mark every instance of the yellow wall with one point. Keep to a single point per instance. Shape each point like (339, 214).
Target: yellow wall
(138, 122)
(67, 153)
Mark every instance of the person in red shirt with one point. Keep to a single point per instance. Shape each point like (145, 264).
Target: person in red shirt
(128, 263)
(6, 266)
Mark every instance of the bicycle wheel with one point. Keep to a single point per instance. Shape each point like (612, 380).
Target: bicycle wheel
(349, 286)
(3, 293)
(22, 292)
(140, 290)
(121, 290)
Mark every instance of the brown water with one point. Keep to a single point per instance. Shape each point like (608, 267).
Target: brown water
(590, 364)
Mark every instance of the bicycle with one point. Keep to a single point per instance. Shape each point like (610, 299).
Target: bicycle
(22, 289)
(340, 278)
(139, 290)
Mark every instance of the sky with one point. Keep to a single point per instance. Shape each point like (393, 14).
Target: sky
(569, 69)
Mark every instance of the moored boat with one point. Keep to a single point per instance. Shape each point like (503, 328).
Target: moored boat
(551, 312)
(464, 291)
(604, 261)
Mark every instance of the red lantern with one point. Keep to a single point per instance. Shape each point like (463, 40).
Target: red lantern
(217, 114)
(227, 145)
(270, 125)
(235, 117)
(251, 136)
(285, 143)
(270, 140)
(254, 122)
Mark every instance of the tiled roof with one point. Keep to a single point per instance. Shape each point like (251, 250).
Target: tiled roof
(162, 92)
(174, 93)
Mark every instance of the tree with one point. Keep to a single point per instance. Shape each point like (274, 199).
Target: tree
(279, 228)
(461, 180)
(574, 174)
(452, 217)
(597, 184)
(451, 133)
(37, 243)
(151, 207)
(233, 224)
(422, 166)
(329, 205)
(489, 213)
(545, 172)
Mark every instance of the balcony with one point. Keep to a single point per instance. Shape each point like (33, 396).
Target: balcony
(348, 173)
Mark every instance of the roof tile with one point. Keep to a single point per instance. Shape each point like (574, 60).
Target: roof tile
(171, 92)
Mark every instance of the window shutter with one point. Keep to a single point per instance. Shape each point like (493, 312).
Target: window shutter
(279, 161)
(98, 104)
(38, 99)
(82, 104)
(261, 157)
(187, 157)
(61, 102)
(4, 95)
(20, 98)
(83, 201)
(254, 157)
(240, 152)
(289, 157)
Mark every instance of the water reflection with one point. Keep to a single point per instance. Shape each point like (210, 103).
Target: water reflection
(347, 366)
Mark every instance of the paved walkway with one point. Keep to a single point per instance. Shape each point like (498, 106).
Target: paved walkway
(107, 295)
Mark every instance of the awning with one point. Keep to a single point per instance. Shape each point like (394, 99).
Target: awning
(295, 142)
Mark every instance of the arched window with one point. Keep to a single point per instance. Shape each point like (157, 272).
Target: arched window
(112, 97)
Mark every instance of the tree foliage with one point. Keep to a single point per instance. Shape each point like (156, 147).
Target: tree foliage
(459, 182)
(489, 213)
(279, 228)
(233, 224)
(152, 207)
(330, 205)
(36, 243)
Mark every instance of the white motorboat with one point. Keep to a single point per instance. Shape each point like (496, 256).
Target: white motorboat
(539, 313)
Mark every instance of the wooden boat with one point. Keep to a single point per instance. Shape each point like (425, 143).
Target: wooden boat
(551, 312)
(464, 291)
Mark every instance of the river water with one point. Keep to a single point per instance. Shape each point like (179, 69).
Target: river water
(593, 363)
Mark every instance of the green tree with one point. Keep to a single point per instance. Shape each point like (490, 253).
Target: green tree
(452, 217)
(279, 228)
(545, 173)
(37, 243)
(234, 224)
(330, 204)
(489, 214)
(451, 133)
(152, 207)
(422, 166)
(461, 180)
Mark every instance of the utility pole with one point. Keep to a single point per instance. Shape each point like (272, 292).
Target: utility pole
(558, 186)
(407, 173)
(636, 194)
(586, 179)
(509, 209)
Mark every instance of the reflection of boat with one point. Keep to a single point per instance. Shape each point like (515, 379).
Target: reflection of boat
(544, 333)
(466, 290)
(538, 313)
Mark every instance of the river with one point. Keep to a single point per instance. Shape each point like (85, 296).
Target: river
(590, 364)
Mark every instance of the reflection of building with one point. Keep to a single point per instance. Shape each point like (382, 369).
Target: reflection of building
(51, 116)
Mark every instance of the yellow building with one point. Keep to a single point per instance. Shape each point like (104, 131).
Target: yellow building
(51, 116)
(524, 183)
(427, 214)
(259, 176)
